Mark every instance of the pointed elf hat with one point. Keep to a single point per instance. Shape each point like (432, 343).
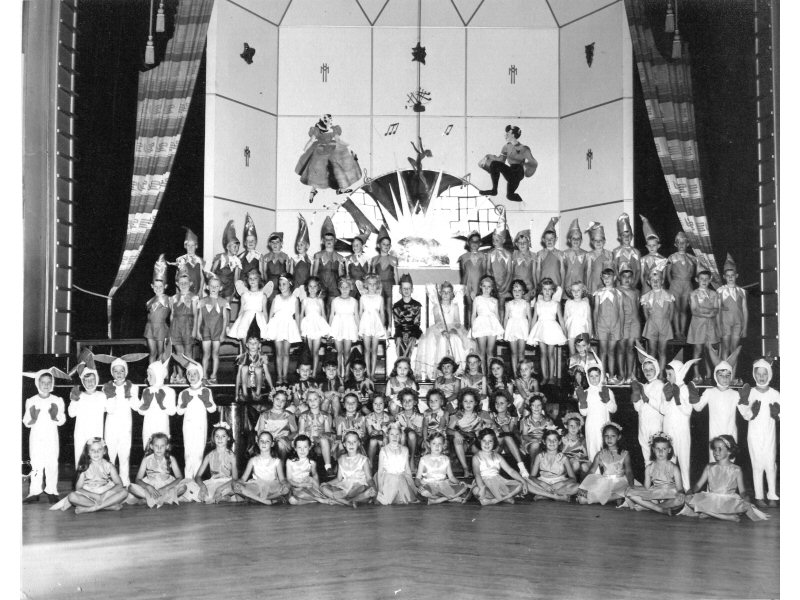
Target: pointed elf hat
(524, 233)
(327, 228)
(473, 234)
(551, 226)
(249, 227)
(302, 231)
(190, 236)
(681, 368)
(624, 224)
(729, 265)
(595, 230)
(160, 269)
(383, 234)
(229, 235)
(406, 278)
(649, 232)
(574, 227)
(275, 235)
(644, 357)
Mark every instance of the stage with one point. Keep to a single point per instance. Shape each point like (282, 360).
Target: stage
(529, 550)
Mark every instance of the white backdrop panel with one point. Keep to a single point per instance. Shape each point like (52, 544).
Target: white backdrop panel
(569, 10)
(303, 52)
(492, 52)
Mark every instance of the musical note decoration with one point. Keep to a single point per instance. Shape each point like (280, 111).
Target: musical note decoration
(392, 129)
(247, 54)
(589, 157)
(512, 73)
(448, 129)
(324, 69)
(418, 99)
(247, 156)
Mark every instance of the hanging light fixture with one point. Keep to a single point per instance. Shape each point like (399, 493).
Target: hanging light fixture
(669, 21)
(150, 51)
(677, 46)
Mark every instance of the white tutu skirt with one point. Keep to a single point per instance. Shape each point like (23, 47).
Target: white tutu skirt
(65, 504)
(343, 327)
(599, 489)
(347, 490)
(443, 489)
(370, 325)
(516, 329)
(267, 489)
(169, 497)
(213, 485)
(283, 330)
(721, 504)
(239, 328)
(433, 346)
(396, 488)
(314, 326)
(487, 325)
(547, 332)
(498, 487)
(560, 485)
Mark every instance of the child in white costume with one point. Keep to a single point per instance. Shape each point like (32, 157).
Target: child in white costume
(122, 397)
(648, 400)
(762, 408)
(158, 402)
(43, 415)
(721, 401)
(678, 412)
(596, 403)
(88, 407)
(193, 403)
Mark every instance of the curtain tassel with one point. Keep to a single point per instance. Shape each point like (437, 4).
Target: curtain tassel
(677, 46)
(160, 18)
(150, 52)
(669, 21)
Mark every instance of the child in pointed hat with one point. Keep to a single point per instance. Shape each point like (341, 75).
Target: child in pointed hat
(680, 271)
(274, 263)
(328, 264)
(300, 265)
(574, 257)
(625, 253)
(156, 332)
(703, 328)
(191, 264)
(598, 260)
(652, 260)
(522, 262)
(227, 265)
(733, 312)
(250, 257)
(44, 414)
(498, 261)
(183, 306)
(658, 305)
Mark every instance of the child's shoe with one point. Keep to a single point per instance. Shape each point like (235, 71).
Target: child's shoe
(760, 503)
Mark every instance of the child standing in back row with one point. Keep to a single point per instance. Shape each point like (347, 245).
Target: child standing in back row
(680, 269)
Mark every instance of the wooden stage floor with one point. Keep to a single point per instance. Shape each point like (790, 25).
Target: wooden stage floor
(529, 550)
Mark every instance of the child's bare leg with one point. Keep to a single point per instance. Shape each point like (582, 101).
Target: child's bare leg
(697, 353)
(411, 442)
(662, 354)
(347, 347)
(79, 500)
(612, 363)
(152, 347)
(206, 356)
(511, 445)
(714, 357)
(285, 349)
(551, 351)
(604, 353)
(510, 496)
(543, 362)
(250, 495)
(339, 344)
(458, 443)
(734, 518)
(325, 448)
(571, 343)
(620, 357)
(630, 359)
(313, 346)
(179, 349)
(372, 450)
(480, 346)
(214, 359)
(490, 344)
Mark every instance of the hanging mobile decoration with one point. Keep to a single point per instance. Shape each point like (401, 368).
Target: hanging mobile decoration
(418, 53)
(589, 49)
(248, 53)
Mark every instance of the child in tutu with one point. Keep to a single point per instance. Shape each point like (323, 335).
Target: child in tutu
(465, 424)
(353, 483)
(372, 323)
(446, 336)
(268, 484)
(313, 325)
(435, 479)
(221, 461)
(98, 486)
(615, 465)
(577, 314)
(253, 308)
(377, 427)
(282, 328)
(159, 480)
(724, 480)
(551, 474)
(547, 330)
(301, 475)
(395, 484)
(573, 445)
(279, 423)
(344, 323)
(517, 320)
(663, 489)
(490, 487)
(486, 327)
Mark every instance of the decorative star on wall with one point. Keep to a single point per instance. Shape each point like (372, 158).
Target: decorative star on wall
(418, 53)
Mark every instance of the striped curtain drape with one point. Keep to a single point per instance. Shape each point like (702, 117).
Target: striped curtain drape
(165, 93)
(667, 88)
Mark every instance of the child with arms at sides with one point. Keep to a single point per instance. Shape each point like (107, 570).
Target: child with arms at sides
(344, 323)
(211, 322)
(680, 270)
(395, 484)
(313, 324)
(517, 321)
(353, 483)
(658, 305)
(486, 327)
(301, 475)
(615, 467)
(221, 462)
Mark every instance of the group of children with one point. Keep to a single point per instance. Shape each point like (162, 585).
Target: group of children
(347, 424)
(550, 297)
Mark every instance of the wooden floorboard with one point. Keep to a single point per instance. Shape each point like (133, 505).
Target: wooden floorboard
(541, 550)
